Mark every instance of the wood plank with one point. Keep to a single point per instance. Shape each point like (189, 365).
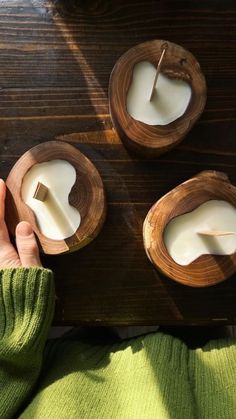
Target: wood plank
(55, 60)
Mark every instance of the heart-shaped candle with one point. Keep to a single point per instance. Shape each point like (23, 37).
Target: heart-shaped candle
(170, 99)
(56, 218)
(177, 231)
(153, 126)
(60, 193)
(186, 239)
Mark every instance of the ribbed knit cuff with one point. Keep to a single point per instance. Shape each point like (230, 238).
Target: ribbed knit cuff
(26, 307)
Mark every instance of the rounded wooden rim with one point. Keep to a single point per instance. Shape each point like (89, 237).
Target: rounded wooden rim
(87, 195)
(178, 63)
(207, 269)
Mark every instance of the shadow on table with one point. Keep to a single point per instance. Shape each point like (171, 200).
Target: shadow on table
(99, 32)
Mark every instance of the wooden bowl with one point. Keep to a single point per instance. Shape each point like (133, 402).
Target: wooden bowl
(87, 195)
(207, 269)
(154, 140)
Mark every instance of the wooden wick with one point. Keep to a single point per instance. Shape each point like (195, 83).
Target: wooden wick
(158, 70)
(41, 192)
(216, 233)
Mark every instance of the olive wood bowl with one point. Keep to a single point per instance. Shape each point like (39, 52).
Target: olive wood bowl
(154, 140)
(87, 196)
(207, 269)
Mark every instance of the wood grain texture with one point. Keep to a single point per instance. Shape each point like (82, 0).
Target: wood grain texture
(207, 269)
(56, 58)
(86, 195)
(154, 140)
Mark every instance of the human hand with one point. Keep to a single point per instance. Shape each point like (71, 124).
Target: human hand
(27, 253)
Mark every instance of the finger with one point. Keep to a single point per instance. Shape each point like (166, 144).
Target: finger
(4, 236)
(27, 245)
(2, 198)
(9, 257)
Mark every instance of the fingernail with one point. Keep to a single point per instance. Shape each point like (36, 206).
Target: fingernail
(24, 229)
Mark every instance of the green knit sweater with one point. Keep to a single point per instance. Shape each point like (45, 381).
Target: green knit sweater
(155, 376)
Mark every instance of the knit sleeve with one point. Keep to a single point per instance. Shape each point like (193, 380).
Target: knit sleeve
(26, 309)
(213, 374)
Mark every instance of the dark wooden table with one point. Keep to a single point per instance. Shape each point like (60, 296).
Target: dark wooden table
(55, 62)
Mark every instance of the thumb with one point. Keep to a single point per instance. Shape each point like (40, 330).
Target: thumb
(27, 245)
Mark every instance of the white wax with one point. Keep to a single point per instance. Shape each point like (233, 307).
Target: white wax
(183, 242)
(56, 218)
(170, 99)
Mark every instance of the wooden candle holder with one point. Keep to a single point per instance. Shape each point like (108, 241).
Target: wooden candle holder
(87, 196)
(154, 140)
(207, 269)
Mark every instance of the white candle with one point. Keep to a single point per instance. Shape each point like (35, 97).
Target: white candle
(56, 218)
(170, 99)
(182, 238)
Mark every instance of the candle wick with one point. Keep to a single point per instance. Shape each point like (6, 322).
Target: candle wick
(158, 70)
(41, 192)
(215, 233)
